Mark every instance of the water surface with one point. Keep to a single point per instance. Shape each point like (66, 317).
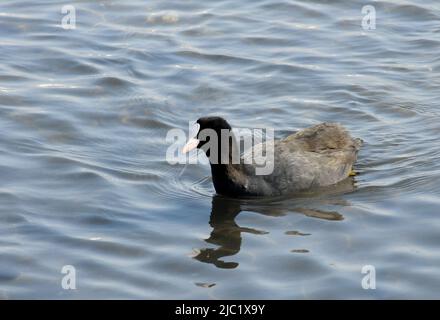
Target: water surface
(84, 181)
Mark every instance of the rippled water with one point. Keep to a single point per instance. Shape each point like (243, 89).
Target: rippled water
(84, 181)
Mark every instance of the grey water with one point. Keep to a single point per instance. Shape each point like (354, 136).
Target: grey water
(84, 115)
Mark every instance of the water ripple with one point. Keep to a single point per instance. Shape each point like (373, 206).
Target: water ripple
(84, 114)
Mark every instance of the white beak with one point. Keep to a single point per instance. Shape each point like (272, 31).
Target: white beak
(190, 145)
(192, 142)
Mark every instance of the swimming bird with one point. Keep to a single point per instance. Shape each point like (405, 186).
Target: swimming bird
(314, 157)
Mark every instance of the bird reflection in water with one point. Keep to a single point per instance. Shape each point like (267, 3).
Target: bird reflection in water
(226, 233)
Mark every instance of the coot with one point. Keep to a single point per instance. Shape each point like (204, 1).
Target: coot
(318, 156)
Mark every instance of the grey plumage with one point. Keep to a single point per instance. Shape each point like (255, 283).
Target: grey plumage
(318, 156)
(314, 157)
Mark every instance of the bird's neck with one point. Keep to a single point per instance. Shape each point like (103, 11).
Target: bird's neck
(227, 176)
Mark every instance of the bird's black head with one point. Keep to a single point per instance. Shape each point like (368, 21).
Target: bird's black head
(212, 131)
(215, 137)
(208, 125)
(213, 123)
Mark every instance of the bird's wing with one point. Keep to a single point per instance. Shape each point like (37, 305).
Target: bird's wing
(323, 137)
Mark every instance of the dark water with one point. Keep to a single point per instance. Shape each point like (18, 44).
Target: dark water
(84, 181)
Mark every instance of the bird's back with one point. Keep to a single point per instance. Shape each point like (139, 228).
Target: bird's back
(317, 156)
